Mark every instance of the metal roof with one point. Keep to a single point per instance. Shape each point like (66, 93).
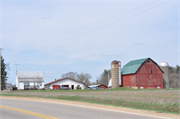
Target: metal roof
(61, 80)
(132, 66)
(30, 74)
(94, 85)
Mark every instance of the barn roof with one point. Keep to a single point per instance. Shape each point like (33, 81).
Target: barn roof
(132, 66)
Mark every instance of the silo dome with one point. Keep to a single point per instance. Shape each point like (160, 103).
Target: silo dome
(163, 64)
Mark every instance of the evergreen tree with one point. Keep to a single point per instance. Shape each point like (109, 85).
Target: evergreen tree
(3, 74)
(177, 69)
(170, 69)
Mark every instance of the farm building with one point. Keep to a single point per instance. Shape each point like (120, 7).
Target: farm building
(142, 74)
(29, 79)
(166, 80)
(99, 86)
(65, 82)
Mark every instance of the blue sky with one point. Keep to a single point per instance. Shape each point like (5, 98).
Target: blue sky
(46, 35)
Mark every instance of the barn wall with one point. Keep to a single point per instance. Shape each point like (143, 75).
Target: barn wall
(102, 87)
(129, 80)
(149, 75)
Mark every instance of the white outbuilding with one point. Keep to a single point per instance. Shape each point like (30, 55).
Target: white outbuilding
(29, 79)
(64, 82)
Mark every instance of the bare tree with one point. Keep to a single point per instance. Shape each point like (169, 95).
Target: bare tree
(174, 77)
(103, 78)
(72, 75)
(93, 83)
(84, 77)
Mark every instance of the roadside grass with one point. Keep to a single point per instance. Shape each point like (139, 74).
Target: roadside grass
(116, 89)
(163, 108)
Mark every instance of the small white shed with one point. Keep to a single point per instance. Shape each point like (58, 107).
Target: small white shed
(65, 82)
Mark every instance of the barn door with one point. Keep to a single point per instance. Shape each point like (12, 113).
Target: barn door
(56, 87)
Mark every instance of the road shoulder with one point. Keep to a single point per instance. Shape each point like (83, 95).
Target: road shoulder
(97, 106)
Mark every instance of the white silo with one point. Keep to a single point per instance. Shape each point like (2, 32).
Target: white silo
(165, 67)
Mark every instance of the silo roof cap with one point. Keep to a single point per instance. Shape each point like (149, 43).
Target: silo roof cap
(163, 64)
(115, 62)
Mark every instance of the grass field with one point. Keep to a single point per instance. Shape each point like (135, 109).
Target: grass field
(160, 100)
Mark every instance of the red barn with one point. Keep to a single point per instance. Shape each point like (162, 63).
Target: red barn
(142, 74)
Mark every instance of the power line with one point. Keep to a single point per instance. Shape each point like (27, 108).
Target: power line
(93, 23)
(108, 24)
(103, 26)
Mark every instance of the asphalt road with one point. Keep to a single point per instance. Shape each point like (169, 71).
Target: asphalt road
(21, 109)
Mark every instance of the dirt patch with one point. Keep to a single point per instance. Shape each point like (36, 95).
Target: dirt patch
(145, 112)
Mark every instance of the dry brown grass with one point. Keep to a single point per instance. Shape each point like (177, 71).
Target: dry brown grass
(168, 99)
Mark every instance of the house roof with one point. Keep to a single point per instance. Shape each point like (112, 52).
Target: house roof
(30, 74)
(97, 85)
(63, 79)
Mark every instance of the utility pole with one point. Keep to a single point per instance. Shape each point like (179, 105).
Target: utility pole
(16, 67)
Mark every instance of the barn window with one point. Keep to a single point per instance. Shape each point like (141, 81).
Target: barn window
(148, 61)
(151, 71)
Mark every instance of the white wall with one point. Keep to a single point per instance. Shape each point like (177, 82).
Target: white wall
(17, 81)
(42, 85)
(67, 82)
(21, 85)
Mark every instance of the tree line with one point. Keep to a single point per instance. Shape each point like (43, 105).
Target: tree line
(174, 75)
(82, 77)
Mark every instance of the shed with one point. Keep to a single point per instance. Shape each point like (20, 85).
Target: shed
(142, 74)
(100, 86)
(64, 82)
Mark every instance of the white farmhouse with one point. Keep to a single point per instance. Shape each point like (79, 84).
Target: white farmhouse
(65, 82)
(29, 79)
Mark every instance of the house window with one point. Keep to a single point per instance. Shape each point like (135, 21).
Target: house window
(39, 83)
(26, 84)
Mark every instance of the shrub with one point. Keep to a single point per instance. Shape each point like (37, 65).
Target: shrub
(14, 88)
